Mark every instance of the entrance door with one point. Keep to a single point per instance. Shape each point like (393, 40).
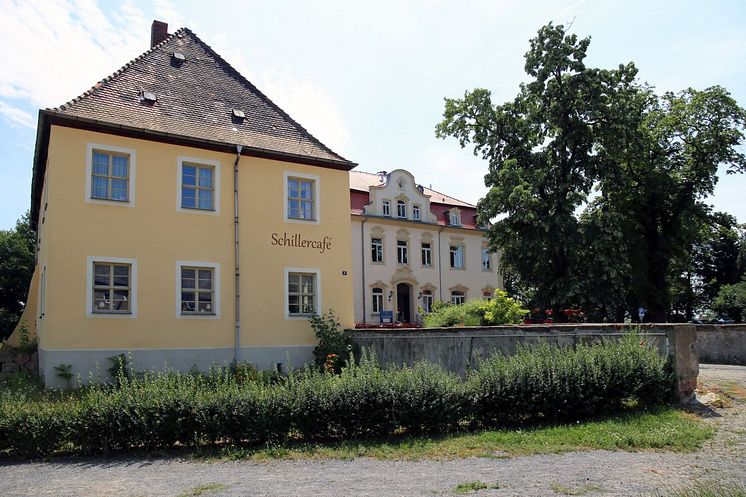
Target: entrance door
(404, 308)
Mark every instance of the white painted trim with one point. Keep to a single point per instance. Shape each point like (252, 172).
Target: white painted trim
(289, 270)
(316, 201)
(217, 289)
(90, 147)
(89, 287)
(216, 183)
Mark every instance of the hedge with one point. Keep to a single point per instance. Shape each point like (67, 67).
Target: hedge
(542, 382)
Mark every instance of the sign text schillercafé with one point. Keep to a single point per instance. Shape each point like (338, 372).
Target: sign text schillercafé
(296, 240)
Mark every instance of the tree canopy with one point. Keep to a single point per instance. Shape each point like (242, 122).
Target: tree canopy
(595, 181)
(17, 261)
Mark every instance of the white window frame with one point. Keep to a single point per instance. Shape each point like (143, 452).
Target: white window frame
(454, 215)
(386, 208)
(461, 297)
(316, 199)
(416, 212)
(89, 287)
(90, 148)
(401, 209)
(429, 251)
(427, 296)
(373, 300)
(215, 266)
(486, 251)
(372, 245)
(318, 308)
(462, 249)
(197, 161)
(404, 252)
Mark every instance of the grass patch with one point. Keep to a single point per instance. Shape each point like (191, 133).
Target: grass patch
(664, 428)
(203, 489)
(582, 490)
(473, 486)
(707, 489)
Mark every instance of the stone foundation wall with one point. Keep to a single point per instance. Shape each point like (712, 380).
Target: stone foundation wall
(13, 361)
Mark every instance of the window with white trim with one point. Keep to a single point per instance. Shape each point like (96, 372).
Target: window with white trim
(197, 290)
(110, 175)
(416, 212)
(427, 254)
(301, 198)
(486, 259)
(302, 294)
(402, 249)
(386, 205)
(457, 298)
(376, 250)
(401, 209)
(457, 256)
(377, 300)
(111, 288)
(427, 301)
(454, 217)
(197, 186)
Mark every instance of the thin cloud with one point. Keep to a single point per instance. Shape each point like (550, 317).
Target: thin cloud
(16, 116)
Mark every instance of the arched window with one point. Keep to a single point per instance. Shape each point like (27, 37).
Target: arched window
(377, 300)
(457, 298)
(427, 300)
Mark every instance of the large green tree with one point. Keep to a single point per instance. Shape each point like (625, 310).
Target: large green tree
(542, 164)
(661, 168)
(17, 261)
(651, 159)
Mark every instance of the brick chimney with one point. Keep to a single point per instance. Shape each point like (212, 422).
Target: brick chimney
(158, 33)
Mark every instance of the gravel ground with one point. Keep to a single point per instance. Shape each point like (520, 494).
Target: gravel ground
(600, 472)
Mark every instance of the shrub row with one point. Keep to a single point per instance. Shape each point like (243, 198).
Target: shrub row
(165, 409)
(500, 309)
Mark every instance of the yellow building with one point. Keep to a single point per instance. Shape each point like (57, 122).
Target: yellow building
(185, 218)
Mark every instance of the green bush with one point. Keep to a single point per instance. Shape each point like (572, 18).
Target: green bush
(500, 309)
(153, 410)
(332, 349)
(546, 381)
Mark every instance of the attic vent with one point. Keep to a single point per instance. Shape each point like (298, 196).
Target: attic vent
(239, 114)
(147, 97)
(178, 56)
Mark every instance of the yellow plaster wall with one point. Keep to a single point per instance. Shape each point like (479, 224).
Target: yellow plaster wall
(156, 234)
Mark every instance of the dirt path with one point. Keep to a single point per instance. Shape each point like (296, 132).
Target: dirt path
(597, 472)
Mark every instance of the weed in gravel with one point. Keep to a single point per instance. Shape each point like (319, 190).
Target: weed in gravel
(203, 490)
(706, 489)
(473, 486)
(581, 490)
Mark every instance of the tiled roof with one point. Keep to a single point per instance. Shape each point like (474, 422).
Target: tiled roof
(195, 100)
(362, 181)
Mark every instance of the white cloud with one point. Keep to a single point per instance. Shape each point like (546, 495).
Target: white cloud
(17, 116)
(55, 50)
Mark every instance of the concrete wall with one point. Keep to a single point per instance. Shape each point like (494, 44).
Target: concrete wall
(457, 349)
(722, 344)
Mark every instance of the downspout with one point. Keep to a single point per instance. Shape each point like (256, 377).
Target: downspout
(236, 258)
(362, 259)
(440, 264)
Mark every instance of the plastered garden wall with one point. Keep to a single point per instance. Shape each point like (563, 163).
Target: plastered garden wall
(457, 349)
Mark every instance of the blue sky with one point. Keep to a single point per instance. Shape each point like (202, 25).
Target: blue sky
(367, 78)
